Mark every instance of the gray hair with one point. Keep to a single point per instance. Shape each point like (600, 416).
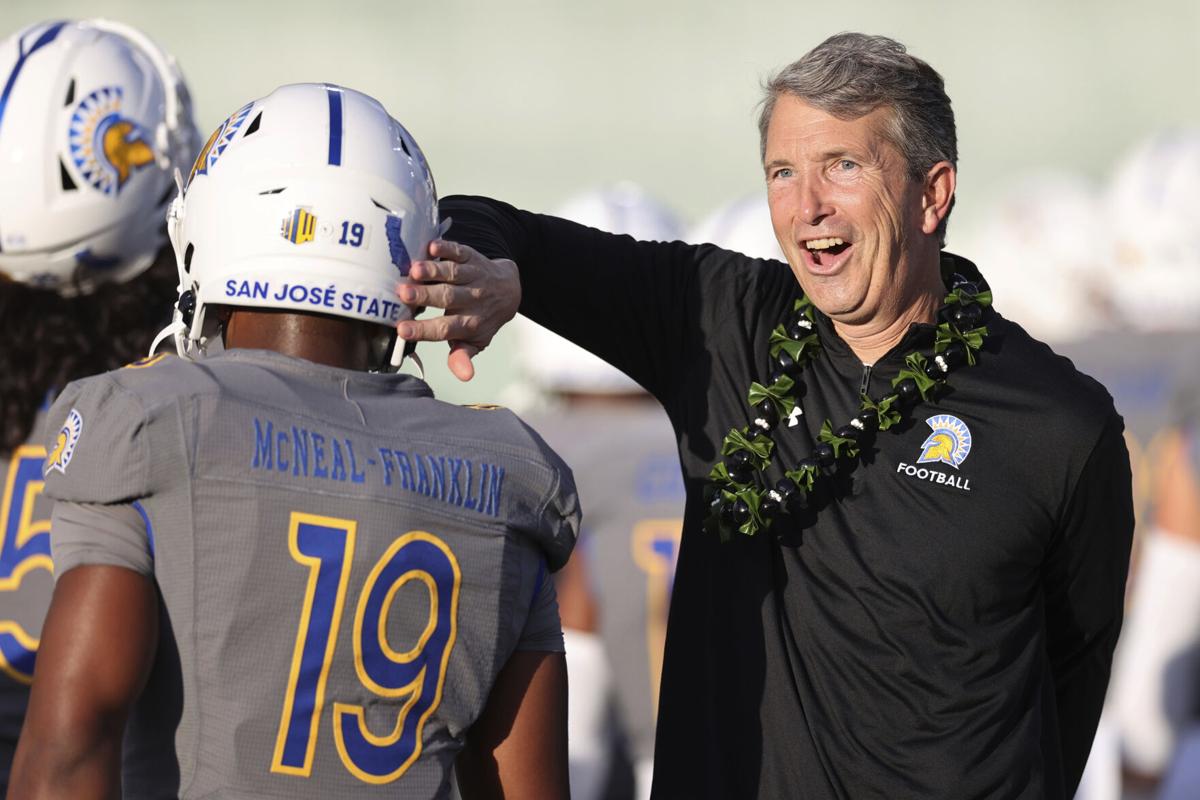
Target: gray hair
(850, 75)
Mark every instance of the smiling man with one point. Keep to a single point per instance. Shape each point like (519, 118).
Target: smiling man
(908, 523)
(855, 221)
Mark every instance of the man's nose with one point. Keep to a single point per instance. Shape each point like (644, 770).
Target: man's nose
(814, 205)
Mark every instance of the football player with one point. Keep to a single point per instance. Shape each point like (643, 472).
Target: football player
(94, 118)
(615, 592)
(1155, 693)
(283, 570)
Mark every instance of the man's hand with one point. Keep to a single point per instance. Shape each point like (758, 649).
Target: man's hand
(478, 294)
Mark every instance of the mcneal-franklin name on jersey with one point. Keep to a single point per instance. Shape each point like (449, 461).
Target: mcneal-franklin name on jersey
(317, 455)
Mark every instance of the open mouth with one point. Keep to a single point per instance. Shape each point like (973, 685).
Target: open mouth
(825, 252)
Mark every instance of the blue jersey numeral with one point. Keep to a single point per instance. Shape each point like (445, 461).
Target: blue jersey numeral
(25, 547)
(325, 545)
(415, 676)
(352, 233)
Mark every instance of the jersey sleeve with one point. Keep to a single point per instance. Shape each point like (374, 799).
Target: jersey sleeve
(555, 527)
(97, 452)
(1084, 579)
(90, 534)
(543, 628)
(655, 310)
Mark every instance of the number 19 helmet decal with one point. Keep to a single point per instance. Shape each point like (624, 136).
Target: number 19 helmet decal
(312, 199)
(94, 119)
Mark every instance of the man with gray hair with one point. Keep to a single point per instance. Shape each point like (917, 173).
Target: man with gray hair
(908, 523)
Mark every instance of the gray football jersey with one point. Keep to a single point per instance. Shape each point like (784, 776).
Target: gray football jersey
(345, 564)
(26, 582)
(626, 466)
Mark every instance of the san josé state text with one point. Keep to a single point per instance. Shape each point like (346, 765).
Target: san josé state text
(316, 296)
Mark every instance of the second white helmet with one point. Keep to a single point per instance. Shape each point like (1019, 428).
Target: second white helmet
(1154, 208)
(94, 119)
(312, 199)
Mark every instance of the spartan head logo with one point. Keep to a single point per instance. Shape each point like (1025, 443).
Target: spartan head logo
(950, 442)
(106, 147)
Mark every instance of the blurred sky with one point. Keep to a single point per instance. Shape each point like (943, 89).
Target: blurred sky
(533, 100)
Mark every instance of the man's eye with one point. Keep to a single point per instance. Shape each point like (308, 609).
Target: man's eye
(846, 165)
(782, 172)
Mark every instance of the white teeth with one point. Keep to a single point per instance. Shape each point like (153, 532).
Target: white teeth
(823, 244)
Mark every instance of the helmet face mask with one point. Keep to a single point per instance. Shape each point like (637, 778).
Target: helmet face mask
(312, 199)
(95, 119)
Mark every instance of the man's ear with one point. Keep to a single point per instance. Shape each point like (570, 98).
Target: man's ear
(937, 195)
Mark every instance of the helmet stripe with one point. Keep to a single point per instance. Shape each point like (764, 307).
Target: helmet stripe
(335, 125)
(46, 38)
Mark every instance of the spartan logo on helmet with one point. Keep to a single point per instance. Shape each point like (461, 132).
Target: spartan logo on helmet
(217, 143)
(950, 442)
(106, 147)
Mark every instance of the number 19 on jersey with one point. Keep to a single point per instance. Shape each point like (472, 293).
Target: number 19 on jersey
(413, 678)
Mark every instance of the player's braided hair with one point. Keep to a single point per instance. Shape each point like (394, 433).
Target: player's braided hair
(47, 341)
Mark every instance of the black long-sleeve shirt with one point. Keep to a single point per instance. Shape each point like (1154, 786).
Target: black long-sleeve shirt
(927, 629)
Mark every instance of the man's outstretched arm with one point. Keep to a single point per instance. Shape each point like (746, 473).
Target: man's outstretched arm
(637, 305)
(97, 647)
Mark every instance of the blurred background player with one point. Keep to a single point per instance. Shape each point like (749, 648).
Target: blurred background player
(354, 576)
(743, 226)
(94, 118)
(1049, 245)
(1110, 275)
(1156, 680)
(1155, 696)
(1152, 204)
(615, 591)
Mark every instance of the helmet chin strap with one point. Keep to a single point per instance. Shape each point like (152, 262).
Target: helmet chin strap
(178, 329)
(400, 351)
(172, 331)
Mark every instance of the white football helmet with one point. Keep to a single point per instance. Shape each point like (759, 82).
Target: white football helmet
(624, 207)
(743, 226)
(311, 199)
(1045, 250)
(558, 365)
(94, 119)
(1154, 211)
